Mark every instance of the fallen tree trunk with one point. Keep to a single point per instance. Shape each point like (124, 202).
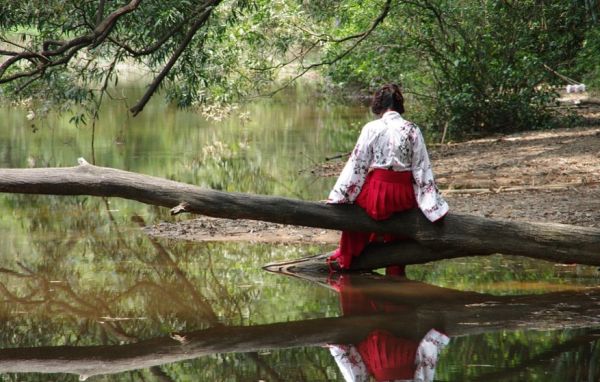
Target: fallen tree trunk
(458, 234)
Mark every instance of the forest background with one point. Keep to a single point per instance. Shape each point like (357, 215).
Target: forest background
(471, 67)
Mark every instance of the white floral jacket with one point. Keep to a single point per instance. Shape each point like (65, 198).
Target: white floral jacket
(391, 143)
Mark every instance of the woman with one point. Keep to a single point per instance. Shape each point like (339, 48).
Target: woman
(388, 171)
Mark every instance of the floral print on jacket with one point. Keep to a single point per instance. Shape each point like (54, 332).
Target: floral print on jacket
(391, 143)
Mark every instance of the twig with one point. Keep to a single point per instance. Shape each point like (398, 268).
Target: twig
(570, 81)
(360, 38)
(338, 156)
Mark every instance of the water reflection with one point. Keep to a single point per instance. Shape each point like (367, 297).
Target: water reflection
(382, 354)
(392, 326)
(84, 292)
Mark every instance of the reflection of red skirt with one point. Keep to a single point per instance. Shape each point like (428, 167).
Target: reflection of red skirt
(388, 357)
(384, 193)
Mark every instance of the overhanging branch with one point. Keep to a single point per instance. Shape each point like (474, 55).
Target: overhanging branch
(360, 37)
(68, 48)
(139, 106)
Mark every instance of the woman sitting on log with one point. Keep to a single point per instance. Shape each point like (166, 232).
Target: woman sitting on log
(388, 171)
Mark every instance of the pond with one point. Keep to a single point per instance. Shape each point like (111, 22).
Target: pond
(87, 295)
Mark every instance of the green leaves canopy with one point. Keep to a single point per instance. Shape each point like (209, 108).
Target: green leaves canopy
(477, 67)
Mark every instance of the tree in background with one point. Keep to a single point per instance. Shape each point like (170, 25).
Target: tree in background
(480, 67)
(67, 52)
(476, 66)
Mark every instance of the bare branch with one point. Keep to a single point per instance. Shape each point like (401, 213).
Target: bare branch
(8, 53)
(100, 12)
(29, 82)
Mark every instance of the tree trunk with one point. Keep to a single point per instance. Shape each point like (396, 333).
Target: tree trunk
(457, 235)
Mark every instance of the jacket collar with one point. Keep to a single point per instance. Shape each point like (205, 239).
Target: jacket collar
(388, 115)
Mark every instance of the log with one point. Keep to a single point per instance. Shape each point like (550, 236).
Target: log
(465, 234)
(456, 313)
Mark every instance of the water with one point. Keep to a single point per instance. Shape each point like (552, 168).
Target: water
(86, 294)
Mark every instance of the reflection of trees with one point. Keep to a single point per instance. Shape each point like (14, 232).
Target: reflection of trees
(457, 313)
(158, 289)
(48, 285)
(587, 342)
(161, 292)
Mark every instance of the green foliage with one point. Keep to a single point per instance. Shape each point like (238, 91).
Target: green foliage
(232, 55)
(478, 65)
(588, 62)
(474, 67)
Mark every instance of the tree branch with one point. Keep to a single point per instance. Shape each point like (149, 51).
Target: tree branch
(100, 11)
(70, 47)
(154, 47)
(139, 106)
(467, 235)
(360, 38)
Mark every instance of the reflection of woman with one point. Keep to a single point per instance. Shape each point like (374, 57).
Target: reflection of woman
(388, 171)
(389, 358)
(382, 354)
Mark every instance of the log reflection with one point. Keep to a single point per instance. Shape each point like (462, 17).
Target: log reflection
(422, 307)
(160, 291)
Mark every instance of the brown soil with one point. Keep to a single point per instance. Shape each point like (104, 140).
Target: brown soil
(548, 176)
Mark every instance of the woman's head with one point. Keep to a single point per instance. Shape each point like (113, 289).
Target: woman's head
(387, 97)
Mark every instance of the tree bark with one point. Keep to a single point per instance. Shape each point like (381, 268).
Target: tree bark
(457, 235)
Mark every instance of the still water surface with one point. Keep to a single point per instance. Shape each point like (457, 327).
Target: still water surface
(86, 294)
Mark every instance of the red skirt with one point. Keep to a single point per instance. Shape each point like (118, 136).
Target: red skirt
(384, 193)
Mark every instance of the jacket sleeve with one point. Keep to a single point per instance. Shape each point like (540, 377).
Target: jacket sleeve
(427, 355)
(352, 177)
(350, 363)
(428, 196)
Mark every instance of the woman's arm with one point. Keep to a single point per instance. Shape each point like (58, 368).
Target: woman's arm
(350, 363)
(428, 196)
(427, 355)
(353, 175)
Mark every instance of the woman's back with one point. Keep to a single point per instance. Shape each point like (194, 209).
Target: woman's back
(391, 140)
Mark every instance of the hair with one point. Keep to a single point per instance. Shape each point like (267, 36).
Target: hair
(387, 97)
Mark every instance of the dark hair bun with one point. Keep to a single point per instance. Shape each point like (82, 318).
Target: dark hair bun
(388, 97)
